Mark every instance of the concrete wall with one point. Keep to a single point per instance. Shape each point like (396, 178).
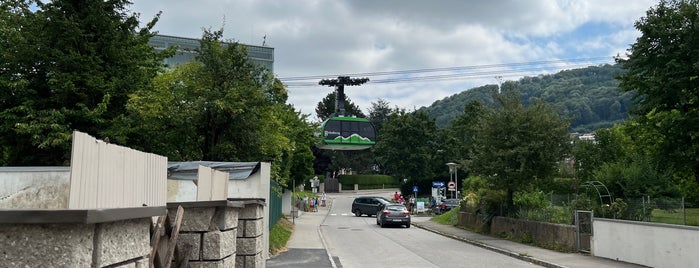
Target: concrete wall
(650, 244)
(208, 235)
(543, 233)
(34, 187)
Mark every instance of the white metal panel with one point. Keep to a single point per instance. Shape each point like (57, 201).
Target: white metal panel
(204, 178)
(106, 175)
(211, 184)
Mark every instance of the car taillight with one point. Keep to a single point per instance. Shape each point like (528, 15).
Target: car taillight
(386, 212)
(405, 212)
(443, 206)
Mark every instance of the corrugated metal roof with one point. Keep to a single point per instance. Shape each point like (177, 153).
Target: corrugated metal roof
(188, 170)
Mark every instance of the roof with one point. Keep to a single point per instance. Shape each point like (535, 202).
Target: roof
(188, 170)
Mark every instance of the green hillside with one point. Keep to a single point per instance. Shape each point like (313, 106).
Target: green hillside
(588, 95)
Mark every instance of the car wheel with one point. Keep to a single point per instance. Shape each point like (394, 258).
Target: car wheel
(382, 224)
(407, 225)
(357, 213)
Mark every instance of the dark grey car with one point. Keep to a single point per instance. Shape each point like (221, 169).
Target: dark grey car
(368, 205)
(393, 214)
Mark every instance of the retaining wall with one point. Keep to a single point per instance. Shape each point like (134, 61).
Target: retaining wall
(76, 238)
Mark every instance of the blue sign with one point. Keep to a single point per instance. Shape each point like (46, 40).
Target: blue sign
(437, 184)
(414, 189)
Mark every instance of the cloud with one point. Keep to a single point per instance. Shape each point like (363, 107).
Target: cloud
(315, 37)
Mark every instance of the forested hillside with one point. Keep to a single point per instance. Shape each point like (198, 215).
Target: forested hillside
(589, 96)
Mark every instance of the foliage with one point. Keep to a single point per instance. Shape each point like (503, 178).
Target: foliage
(367, 179)
(222, 107)
(448, 218)
(516, 147)
(279, 236)
(405, 145)
(326, 107)
(60, 73)
(588, 95)
(662, 68)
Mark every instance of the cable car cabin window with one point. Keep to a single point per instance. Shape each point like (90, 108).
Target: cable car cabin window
(347, 133)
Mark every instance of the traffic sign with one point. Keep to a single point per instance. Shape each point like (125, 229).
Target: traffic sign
(414, 189)
(452, 186)
(437, 184)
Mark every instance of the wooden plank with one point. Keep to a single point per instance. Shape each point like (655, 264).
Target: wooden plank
(173, 237)
(155, 239)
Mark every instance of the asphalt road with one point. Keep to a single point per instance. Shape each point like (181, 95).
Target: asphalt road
(359, 242)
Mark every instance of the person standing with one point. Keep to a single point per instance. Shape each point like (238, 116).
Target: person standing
(411, 203)
(396, 196)
(323, 198)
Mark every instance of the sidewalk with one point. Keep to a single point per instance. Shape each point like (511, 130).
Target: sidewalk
(536, 255)
(306, 247)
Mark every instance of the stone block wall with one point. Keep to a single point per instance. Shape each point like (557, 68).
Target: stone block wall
(208, 235)
(122, 243)
(250, 237)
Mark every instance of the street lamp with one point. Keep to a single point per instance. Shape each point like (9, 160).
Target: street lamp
(453, 173)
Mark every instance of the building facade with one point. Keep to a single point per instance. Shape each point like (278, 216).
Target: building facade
(260, 55)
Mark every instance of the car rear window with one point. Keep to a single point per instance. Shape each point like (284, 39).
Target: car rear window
(396, 208)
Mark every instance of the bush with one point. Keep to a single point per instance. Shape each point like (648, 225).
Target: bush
(367, 179)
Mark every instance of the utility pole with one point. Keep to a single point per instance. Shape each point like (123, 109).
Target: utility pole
(339, 85)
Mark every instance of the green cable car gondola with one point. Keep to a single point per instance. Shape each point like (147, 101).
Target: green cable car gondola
(347, 133)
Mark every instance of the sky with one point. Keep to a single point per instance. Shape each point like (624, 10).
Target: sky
(413, 52)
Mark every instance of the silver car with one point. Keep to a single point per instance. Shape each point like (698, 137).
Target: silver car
(393, 214)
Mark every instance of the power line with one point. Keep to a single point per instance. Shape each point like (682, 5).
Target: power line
(476, 71)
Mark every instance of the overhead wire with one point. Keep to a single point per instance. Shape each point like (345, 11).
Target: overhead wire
(456, 73)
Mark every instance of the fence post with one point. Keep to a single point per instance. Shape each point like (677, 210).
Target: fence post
(684, 213)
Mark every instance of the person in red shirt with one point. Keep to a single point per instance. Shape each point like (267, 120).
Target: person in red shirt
(396, 196)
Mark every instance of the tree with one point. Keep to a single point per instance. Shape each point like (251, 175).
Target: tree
(516, 146)
(326, 107)
(222, 107)
(405, 145)
(69, 65)
(662, 68)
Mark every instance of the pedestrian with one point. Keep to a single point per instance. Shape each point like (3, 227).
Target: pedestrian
(305, 203)
(315, 201)
(401, 200)
(411, 203)
(323, 198)
(396, 196)
(312, 204)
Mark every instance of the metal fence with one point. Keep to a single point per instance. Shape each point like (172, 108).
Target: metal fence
(104, 175)
(275, 203)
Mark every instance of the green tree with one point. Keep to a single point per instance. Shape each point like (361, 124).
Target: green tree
(405, 145)
(326, 107)
(517, 146)
(662, 68)
(67, 65)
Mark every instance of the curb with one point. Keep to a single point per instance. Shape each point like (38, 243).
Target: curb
(491, 248)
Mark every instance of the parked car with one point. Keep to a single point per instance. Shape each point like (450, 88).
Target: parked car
(446, 205)
(368, 205)
(393, 214)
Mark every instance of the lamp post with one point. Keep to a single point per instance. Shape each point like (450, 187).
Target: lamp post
(453, 176)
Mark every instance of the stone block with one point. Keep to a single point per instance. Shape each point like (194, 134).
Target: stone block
(191, 241)
(50, 245)
(251, 228)
(218, 245)
(248, 246)
(121, 241)
(251, 212)
(228, 262)
(251, 261)
(227, 218)
(195, 219)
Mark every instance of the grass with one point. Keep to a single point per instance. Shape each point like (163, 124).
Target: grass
(446, 217)
(279, 236)
(676, 217)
